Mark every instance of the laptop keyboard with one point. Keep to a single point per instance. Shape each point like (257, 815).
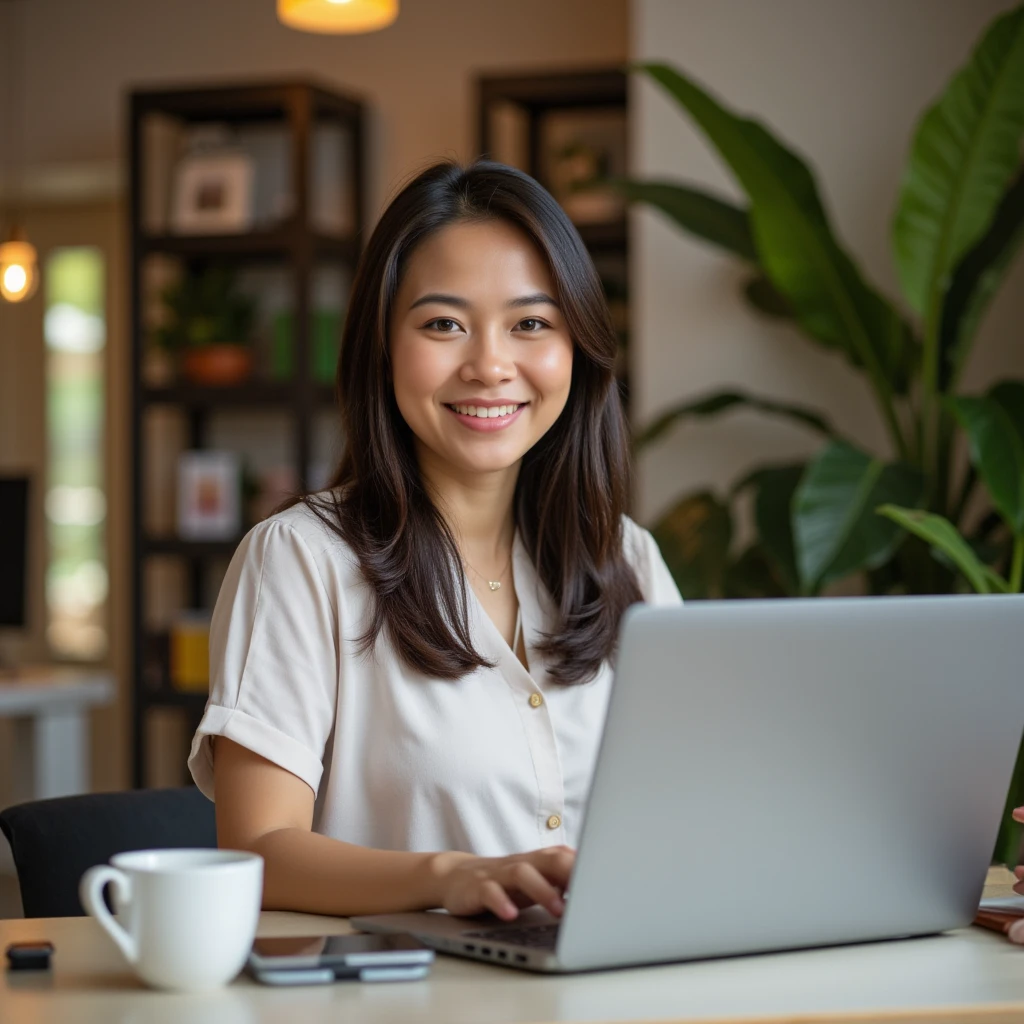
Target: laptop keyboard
(535, 936)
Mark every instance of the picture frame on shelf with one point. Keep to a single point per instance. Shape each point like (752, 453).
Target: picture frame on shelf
(209, 495)
(213, 194)
(579, 148)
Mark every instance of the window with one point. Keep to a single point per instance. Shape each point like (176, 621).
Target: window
(76, 507)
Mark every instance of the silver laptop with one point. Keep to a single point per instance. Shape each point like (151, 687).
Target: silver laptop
(781, 774)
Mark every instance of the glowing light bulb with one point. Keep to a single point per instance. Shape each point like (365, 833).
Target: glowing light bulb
(337, 16)
(18, 273)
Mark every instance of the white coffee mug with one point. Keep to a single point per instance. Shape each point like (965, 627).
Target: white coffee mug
(189, 916)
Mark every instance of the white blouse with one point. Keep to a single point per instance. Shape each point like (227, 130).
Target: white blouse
(494, 763)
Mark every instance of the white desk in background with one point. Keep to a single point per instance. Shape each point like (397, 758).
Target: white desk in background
(49, 706)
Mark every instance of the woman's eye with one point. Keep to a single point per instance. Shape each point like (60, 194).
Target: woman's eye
(444, 325)
(539, 325)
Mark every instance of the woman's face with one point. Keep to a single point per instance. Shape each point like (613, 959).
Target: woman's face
(481, 357)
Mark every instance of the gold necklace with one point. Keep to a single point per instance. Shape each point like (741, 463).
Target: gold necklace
(493, 584)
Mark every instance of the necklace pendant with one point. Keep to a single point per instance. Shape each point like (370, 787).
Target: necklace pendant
(494, 584)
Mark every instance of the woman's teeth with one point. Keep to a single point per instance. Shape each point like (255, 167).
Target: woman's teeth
(485, 412)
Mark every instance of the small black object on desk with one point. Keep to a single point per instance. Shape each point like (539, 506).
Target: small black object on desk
(29, 956)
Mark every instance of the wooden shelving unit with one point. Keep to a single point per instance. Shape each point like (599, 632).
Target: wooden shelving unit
(295, 244)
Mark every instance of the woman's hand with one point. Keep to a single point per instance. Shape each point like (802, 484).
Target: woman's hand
(1017, 931)
(471, 885)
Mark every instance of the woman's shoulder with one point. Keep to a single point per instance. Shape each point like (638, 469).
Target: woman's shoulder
(310, 524)
(636, 541)
(641, 551)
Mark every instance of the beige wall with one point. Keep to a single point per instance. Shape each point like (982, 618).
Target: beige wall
(844, 83)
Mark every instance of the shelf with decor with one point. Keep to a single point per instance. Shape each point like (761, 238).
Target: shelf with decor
(246, 220)
(568, 129)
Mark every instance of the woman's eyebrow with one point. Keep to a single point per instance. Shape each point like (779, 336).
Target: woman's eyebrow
(535, 299)
(445, 300)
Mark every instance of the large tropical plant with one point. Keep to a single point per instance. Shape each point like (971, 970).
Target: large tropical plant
(908, 522)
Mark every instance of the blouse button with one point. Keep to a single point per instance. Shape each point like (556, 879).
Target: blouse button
(554, 821)
(535, 701)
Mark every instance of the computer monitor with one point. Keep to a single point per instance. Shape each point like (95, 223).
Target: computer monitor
(13, 551)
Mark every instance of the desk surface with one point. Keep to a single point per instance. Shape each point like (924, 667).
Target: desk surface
(969, 975)
(36, 689)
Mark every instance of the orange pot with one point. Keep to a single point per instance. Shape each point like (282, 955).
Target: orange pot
(217, 365)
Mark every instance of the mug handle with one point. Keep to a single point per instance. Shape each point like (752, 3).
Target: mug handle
(90, 892)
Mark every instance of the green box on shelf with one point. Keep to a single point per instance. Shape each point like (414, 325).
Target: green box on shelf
(324, 342)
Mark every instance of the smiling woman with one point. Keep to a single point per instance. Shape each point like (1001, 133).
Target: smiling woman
(410, 669)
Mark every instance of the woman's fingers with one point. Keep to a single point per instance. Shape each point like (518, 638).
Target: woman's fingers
(555, 863)
(1016, 931)
(495, 899)
(1018, 814)
(525, 878)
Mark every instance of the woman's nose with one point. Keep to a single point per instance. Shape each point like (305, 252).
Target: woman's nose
(490, 359)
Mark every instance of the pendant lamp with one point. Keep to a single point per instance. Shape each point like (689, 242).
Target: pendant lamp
(337, 16)
(19, 273)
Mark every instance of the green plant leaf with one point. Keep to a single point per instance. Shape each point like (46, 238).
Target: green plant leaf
(940, 533)
(836, 528)
(764, 297)
(1011, 833)
(694, 537)
(977, 278)
(720, 401)
(754, 575)
(697, 212)
(994, 426)
(774, 488)
(965, 152)
(795, 243)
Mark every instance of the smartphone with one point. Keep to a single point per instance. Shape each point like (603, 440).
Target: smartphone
(313, 959)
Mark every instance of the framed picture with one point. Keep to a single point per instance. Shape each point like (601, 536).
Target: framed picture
(209, 495)
(213, 194)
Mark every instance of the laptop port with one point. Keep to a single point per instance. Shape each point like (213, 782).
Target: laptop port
(486, 950)
(520, 959)
(469, 947)
(502, 955)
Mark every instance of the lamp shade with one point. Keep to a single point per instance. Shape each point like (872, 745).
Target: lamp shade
(19, 274)
(338, 16)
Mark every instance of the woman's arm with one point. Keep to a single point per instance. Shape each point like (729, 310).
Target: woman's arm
(267, 810)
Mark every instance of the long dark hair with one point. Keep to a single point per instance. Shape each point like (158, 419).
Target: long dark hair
(573, 485)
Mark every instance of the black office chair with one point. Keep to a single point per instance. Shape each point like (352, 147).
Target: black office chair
(55, 841)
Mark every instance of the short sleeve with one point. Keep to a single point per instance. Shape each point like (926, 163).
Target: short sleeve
(273, 658)
(656, 582)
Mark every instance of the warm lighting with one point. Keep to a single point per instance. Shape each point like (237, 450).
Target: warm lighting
(18, 272)
(340, 16)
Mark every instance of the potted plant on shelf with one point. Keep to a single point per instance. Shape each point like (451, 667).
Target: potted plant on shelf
(919, 521)
(207, 324)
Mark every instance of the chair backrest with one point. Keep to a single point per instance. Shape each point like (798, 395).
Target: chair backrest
(55, 841)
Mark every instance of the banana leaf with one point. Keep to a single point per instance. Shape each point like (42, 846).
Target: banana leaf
(764, 297)
(940, 533)
(774, 488)
(696, 212)
(994, 425)
(796, 245)
(976, 280)
(694, 537)
(713, 220)
(835, 526)
(965, 153)
(717, 402)
(754, 575)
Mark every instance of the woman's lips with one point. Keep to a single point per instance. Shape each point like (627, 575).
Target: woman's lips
(488, 424)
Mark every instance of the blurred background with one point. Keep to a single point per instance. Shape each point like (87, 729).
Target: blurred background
(195, 180)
